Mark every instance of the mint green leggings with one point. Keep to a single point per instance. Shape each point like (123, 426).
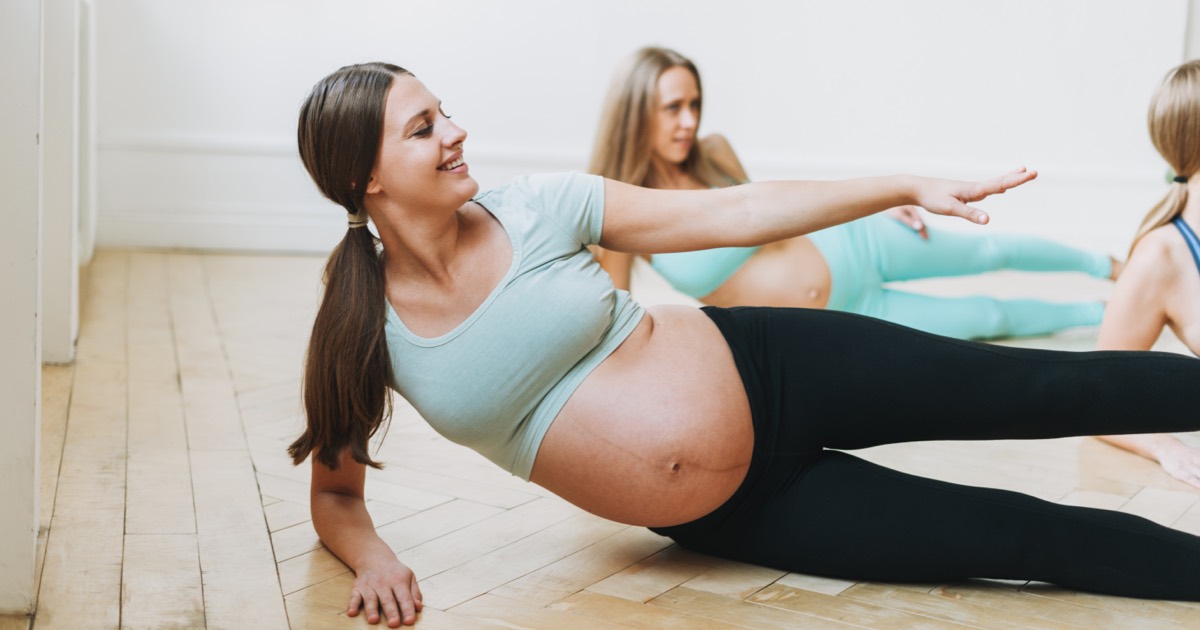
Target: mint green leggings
(865, 254)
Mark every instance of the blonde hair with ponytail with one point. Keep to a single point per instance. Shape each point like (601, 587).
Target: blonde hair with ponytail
(1174, 120)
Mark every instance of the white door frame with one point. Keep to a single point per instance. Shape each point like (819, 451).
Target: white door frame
(20, 277)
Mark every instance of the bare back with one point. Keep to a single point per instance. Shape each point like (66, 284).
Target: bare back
(1160, 286)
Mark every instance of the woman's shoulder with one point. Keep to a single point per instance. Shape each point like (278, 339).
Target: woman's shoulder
(719, 152)
(1161, 244)
(718, 149)
(1160, 256)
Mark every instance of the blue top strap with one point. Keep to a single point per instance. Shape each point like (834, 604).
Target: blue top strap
(1190, 237)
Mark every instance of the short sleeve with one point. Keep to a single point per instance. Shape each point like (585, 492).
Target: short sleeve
(573, 200)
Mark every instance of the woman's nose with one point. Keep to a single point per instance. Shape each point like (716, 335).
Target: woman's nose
(687, 119)
(454, 134)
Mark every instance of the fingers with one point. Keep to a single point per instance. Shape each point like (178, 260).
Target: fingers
(914, 220)
(391, 609)
(1191, 471)
(1187, 476)
(416, 590)
(910, 216)
(1003, 183)
(373, 605)
(970, 213)
(408, 606)
(1182, 463)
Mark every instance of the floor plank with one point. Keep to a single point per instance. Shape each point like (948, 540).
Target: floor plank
(84, 547)
(742, 613)
(161, 582)
(563, 578)
(635, 614)
(14, 622)
(847, 610)
(511, 613)
(655, 575)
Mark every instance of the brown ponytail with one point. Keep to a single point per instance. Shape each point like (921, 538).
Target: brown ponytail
(347, 370)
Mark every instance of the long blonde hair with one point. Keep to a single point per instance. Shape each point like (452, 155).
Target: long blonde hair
(1175, 131)
(623, 147)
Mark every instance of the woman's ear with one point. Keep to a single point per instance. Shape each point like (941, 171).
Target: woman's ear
(373, 184)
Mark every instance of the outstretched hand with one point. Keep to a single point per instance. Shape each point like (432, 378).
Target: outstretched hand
(950, 197)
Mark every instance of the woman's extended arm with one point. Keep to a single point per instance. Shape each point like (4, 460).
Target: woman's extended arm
(722, 155)
(645, 220)
(382, 584)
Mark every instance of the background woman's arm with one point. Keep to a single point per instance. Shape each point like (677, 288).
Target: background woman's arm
(1133, 320)
(721, 154)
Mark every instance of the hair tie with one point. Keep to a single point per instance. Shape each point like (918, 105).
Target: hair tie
(358, 219)
(1180, 179)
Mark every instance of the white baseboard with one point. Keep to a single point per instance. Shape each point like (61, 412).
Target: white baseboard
(252, 194)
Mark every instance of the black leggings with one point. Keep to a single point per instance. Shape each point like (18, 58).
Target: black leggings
(822, 379)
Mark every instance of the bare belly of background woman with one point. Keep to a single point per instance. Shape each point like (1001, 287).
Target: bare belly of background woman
(660, 432)
(785, 273)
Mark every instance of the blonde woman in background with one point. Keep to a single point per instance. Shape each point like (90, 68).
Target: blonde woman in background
(648, 137)
(1161, 285)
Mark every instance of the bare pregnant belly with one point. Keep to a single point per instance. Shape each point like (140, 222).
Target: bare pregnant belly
(659, 433)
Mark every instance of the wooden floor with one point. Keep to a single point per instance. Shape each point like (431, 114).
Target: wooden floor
(168, 501)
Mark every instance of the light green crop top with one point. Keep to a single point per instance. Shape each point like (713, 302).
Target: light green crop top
(497, 381)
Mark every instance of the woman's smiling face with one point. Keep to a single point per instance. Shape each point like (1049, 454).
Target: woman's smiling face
(420, 161)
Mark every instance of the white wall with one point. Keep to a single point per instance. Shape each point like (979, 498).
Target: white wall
(197, 101)
(60, 179)
(20, 275)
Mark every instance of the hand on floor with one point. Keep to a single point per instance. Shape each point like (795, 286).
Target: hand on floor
(1181, 462)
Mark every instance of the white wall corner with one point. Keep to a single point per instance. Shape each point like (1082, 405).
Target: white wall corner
(20, 275)
(1191, 48)
(60, 179)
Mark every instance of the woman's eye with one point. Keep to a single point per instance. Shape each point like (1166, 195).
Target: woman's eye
(423, 131)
